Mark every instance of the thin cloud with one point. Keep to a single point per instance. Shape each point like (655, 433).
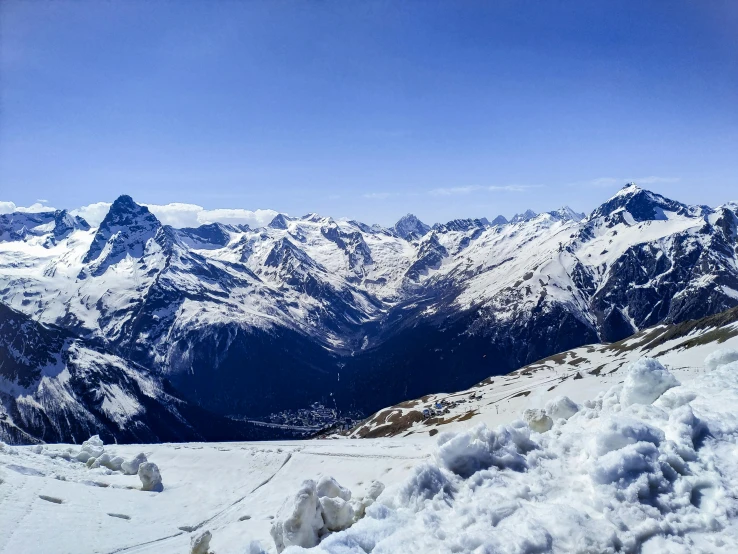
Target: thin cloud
(379, 195)
(451, 191)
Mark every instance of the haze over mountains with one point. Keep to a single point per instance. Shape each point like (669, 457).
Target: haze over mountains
(246, 322)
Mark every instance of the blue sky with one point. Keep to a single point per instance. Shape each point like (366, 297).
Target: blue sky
(368, 109)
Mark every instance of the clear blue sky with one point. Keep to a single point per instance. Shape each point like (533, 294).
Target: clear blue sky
(368, 109)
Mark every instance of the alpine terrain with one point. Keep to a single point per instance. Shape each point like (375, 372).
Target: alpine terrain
(136, 321)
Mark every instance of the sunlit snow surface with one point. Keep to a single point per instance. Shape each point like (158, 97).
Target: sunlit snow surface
(650, 477)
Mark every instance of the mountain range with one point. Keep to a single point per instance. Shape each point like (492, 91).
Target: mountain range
(234, 321)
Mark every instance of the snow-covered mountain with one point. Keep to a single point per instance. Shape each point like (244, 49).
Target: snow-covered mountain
(251, 321)
(56, 387)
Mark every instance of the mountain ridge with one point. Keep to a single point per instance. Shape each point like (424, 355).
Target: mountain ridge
(239, 319)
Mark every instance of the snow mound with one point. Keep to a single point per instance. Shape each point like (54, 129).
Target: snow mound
(329, 487)
(91, 448)
(537, 420)
(317, 510)
(299, 519)
(480, 448)
(621, 474)
(150, 477)
(113, 463)
(561, 407)
(721, 357)
(647, 379)
(131, 466)
(200, 544)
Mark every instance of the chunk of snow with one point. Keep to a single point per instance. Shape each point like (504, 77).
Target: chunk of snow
(721, 357)
(480, 448)
(338, 514)
(537, 420)
(93, 446)
(329, 487)
(360, 505)
(647, 379)
(131, 466)
(299, 519)
(561, 407)
(150, 477)
(106, 460)
(200, 543)
(616, 433)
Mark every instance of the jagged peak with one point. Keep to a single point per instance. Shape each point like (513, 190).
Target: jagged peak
(409, 226)
(629, 189)
(461, 225)
(125, 212)
(279, 221)
(644, 205)
(527, 215)
(499, 220)
(566, 213)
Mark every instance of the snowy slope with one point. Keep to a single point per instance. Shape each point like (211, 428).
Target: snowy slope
(364, 316)
(580, 374)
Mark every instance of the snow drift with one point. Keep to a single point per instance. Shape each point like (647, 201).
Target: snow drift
(647, 466)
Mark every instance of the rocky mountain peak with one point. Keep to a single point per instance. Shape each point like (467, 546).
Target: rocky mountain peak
(641, 205)
(127, 227)
(525, 216)
(410, 227)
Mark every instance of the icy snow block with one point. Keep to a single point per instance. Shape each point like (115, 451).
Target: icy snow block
(200, 544)
(131, 467)
(338, 514)
(721, 357)
(481, 448)
(360, 505)
(561, 407)
(93, 446)
(328, 486)
(150, 477)
(299, 519)
(108, 461)
(537, 420)
(83, 456)
(645, 382)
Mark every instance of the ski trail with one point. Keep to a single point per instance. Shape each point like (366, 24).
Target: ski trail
(236, 502)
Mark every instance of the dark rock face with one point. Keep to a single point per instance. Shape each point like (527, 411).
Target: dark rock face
(279, 222)
(209, 236)
(430, 255)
